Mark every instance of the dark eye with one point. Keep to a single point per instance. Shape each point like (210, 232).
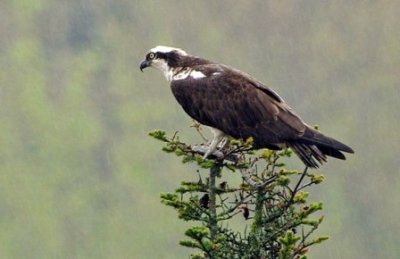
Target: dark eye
(151, 55)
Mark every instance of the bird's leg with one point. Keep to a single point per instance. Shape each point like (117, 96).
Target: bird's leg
(224, 142)
(218, 137)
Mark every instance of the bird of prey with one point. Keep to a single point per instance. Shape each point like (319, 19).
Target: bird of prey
(233, 103)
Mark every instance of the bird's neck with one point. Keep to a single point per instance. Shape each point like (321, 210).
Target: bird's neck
(177, 73)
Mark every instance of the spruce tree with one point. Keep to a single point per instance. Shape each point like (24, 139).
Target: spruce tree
(273, 199)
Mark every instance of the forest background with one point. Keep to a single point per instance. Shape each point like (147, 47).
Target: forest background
(79, 178)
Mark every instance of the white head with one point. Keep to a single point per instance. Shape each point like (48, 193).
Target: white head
(162, 58)
(165, 49)
(175, 63)
(165, 59)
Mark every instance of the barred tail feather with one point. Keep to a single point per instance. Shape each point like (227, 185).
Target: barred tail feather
(313, 148)
(329, 144)
(309, 154)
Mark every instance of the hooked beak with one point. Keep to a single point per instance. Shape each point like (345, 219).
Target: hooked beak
(144, 64)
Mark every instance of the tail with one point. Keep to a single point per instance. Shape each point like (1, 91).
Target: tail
(313, 148)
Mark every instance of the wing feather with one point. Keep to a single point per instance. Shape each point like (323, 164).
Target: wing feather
(238, 106)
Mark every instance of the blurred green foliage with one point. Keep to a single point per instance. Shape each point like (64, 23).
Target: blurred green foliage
(80, 179)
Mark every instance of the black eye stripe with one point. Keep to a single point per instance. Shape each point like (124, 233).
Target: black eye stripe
(161, 55)
(170, 57)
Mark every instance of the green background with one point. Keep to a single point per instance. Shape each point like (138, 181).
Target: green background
(79, 178)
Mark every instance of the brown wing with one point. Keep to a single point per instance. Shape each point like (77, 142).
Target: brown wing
(239, 106)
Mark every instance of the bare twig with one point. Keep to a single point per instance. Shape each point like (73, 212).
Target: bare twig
(197, 126)
(296, 188)
(247, 177)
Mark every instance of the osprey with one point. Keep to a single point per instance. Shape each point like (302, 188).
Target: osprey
(235, 104)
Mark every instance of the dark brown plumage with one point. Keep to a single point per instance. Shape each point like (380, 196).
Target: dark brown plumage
(240, 106)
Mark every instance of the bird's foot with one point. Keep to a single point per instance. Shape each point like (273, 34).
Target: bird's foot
(207, 151)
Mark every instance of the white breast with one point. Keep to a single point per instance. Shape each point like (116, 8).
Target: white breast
(196, 74)
(185, 74)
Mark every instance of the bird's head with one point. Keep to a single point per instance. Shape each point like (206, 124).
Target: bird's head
(163, 58)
